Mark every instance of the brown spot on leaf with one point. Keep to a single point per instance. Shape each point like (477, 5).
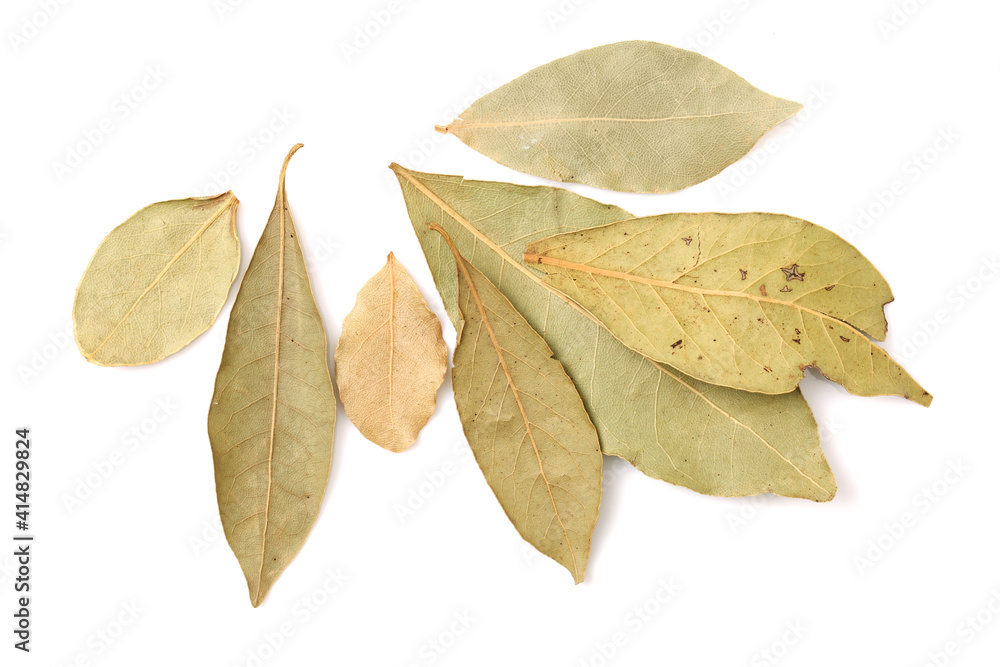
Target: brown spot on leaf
(687, 240)
(793, 273)
(680, 342)
(763, 290)
(786, 288)
(796, 340)
(829, 287)
(846, 340)
(743, 274)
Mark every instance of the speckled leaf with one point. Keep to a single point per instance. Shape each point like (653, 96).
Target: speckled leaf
(525, 422)
(747, 300)
(708, 438)
(273, 412)
(631, 116)
(157, 281)
(391, 359)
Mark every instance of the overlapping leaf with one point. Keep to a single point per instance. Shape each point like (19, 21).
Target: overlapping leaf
(742, 300)
(157, 281)
(525, 422)
(631, 116)
(391, 359)
(708, 438)
(273, 412)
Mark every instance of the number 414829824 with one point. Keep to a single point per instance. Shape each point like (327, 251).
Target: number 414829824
(22, 478)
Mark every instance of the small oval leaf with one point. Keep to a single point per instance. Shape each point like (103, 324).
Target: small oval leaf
(157, 281)
(391, 359)
(631, 116)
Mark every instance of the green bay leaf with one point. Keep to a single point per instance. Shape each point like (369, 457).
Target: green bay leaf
(632, 116)
(747, 300)
(157, 281)
(525, 422)
(273, 412)
(711, 439)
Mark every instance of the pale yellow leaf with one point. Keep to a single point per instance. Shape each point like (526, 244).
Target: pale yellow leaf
(157, 281)
(391, 359)
(673, 288)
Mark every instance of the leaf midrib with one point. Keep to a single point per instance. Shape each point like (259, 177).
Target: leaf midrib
(274, 388)
(462, 125)
(280, 204)
(392, 347)
(667, 284)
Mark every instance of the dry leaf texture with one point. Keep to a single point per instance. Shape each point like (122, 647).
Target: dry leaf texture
(745, 300)
(391, 359)
(630, 116)
(157, 281)
(273, 412)
(525, 422)
(708, 438)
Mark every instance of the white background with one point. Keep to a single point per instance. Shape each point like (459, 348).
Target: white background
(746, 569)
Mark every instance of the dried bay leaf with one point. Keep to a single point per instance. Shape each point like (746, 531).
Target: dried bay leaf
(273, 412)
(391, 359)
(631, 116)
(740, 300)
(157, 281)
(711, 439)
(525, 422)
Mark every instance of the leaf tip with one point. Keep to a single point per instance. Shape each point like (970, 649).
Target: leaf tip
(793, 108)
(402, 172)
(830, 492)
(443, 129)
(288, 158)
(258, 590)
